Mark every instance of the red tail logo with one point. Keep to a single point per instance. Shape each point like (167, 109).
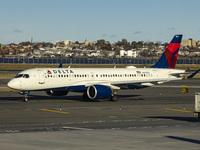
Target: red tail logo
(169, 57)
(49, 72)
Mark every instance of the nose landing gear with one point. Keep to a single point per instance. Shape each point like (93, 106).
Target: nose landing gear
(25, 99)
(25, 93)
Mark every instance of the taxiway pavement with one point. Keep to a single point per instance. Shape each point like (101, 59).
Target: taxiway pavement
(153, 118)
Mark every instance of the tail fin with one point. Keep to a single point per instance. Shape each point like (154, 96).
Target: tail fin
(60, 66)
(169, 57)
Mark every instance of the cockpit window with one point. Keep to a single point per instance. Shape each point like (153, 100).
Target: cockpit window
(25, 76)
(18, 76)
(22, 76)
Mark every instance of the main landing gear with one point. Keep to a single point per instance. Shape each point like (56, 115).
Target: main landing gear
(113, 98)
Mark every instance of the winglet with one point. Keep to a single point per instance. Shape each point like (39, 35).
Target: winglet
(193, 74)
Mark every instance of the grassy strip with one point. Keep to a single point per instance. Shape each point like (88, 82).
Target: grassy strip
(7, 75)
(6, 89)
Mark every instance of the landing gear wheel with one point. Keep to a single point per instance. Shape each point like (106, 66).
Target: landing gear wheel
(25, 98)
(114, 98)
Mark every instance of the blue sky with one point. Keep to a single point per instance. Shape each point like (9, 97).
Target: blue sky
(112, 20)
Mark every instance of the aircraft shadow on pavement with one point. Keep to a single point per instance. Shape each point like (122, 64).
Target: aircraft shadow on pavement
(131, 97)
(74, 97)
(11, 98)
(184, 139)
(41, 97)
(187, 119)
(79, 98)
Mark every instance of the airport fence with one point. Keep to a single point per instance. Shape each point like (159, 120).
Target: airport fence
(89, 61)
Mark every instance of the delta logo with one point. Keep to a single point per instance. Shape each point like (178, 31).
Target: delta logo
(59, 71)
(49, 72)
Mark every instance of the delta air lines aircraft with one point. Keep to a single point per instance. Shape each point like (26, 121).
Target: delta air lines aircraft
(99, 83)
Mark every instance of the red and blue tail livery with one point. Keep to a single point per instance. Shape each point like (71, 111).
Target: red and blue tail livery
(169, 57)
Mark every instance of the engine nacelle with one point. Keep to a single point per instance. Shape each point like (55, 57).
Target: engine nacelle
(57, 92)
(99, 92)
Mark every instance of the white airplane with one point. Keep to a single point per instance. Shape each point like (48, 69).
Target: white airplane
(99, 83)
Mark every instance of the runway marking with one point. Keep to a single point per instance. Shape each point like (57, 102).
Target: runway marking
(185, 86)
(179, 110)
(62, 112)
(76, 128)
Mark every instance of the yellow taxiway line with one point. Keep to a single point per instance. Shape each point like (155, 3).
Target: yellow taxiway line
(62, 112)
(179, 110)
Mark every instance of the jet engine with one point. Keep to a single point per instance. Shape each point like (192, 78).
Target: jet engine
(57, 92)
(99, 92)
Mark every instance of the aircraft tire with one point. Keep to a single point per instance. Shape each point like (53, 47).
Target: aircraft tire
(25, 98)
(114, 98)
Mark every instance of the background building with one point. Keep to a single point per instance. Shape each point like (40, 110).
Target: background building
(188, 43)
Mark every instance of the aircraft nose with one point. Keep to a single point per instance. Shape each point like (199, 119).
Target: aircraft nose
(14, 85)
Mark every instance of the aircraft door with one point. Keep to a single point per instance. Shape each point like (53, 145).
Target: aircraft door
(41, 77)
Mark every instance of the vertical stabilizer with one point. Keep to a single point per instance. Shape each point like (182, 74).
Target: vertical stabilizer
(169, 57)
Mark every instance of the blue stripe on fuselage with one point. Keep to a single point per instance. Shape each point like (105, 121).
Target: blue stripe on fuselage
(79, 88)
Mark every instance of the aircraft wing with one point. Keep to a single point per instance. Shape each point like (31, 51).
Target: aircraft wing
(116, 84)
(153, 81)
